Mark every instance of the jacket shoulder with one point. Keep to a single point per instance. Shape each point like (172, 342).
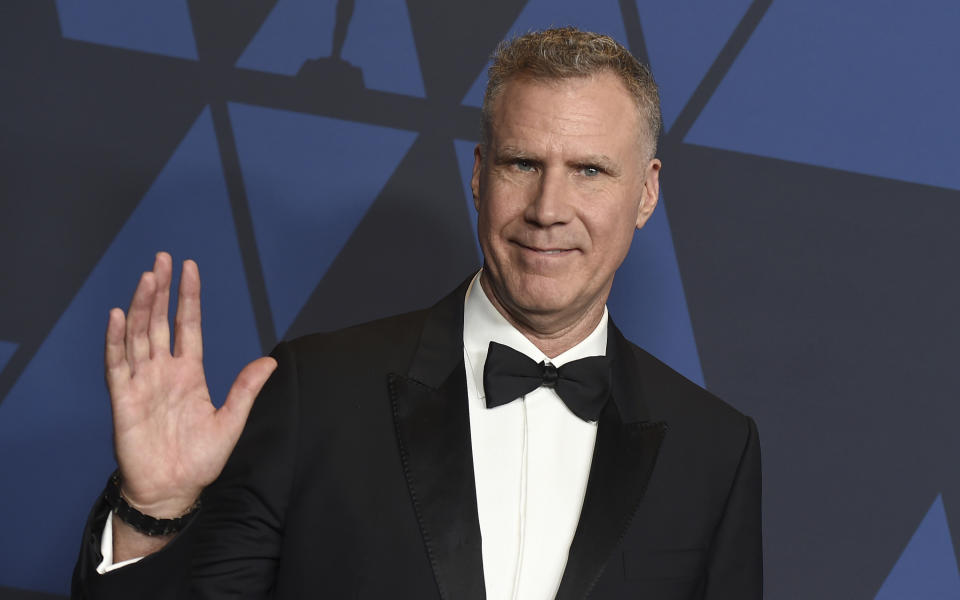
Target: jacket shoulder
(388, 336)
(672, 397)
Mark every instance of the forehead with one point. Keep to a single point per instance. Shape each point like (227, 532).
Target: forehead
(593, 113)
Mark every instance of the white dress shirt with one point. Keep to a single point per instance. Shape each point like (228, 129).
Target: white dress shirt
(531, 461)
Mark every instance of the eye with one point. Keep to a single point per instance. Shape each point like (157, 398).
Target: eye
(590, 170)
(523, 164)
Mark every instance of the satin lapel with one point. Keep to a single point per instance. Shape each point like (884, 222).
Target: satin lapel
(433, 430)
(623, 460)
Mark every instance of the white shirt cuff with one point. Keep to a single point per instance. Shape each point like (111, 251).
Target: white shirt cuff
(106, 550)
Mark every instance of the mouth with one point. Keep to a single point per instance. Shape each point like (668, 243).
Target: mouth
(548, 251)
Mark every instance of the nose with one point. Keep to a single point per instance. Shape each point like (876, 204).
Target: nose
(551, 202)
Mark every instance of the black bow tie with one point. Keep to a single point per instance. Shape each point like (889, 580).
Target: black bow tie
(583, 385)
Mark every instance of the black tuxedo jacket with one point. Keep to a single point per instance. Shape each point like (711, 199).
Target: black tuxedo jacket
(354, 479)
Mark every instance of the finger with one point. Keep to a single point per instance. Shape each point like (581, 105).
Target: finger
(116, 369)
(159, 324)
(188, 340)
(233, 414)
(138, 319)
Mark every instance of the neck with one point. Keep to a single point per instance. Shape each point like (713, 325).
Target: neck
(551, 334)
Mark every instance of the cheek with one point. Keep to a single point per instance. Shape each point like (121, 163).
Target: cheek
(500, 207)
(612, 232)
(492, 224)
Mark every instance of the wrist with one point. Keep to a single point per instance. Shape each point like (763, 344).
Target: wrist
(163, 509)
(158, 499)
(154, 519)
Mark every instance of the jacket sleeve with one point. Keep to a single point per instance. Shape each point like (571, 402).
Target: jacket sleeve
(231, 548)
(735, 559)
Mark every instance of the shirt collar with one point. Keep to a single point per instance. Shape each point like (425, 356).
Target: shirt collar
(482, 324)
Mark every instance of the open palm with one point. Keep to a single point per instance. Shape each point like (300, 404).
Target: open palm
(170, 440)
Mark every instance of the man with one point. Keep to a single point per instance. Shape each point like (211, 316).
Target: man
(506, 443)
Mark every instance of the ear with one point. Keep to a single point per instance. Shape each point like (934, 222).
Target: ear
(475, 179)
(650, 193)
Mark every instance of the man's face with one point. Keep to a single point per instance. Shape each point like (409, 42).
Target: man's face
(559, 190)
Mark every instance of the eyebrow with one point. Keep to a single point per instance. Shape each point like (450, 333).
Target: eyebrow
(601, 161)
(508, 153)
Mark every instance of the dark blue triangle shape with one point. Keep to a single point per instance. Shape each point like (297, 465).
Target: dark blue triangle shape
(293, 32)
(309, 182)
(379, 41)
(156, 27)
(928, 566)
(683, 38)
(648, 303)
(869, 90)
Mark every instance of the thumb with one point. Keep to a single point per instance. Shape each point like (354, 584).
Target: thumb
(235, 410)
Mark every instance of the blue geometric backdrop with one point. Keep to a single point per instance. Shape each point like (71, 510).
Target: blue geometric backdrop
(800, 263)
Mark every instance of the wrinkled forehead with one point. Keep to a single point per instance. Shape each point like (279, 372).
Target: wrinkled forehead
(597, 108)
(596, 95)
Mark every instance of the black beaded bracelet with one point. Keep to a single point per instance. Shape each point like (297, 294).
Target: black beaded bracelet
(145, 524)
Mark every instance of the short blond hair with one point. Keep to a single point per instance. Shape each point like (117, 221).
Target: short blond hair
(563, 52)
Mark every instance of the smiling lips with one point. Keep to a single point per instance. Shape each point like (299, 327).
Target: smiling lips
(545, 251)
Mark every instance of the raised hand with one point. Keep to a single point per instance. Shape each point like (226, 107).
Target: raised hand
(170, 440)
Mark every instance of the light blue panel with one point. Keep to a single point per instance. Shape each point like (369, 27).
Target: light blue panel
(927, 568)
(380, 41)
(865, 86)
(601, 15)
(464, 151)
(647, 301)
(309, 182)
(294, 31)
(157, 27)
(683, 37)
(6, 352)
(55, 424)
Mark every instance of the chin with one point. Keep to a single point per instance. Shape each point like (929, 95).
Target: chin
(541, 295)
